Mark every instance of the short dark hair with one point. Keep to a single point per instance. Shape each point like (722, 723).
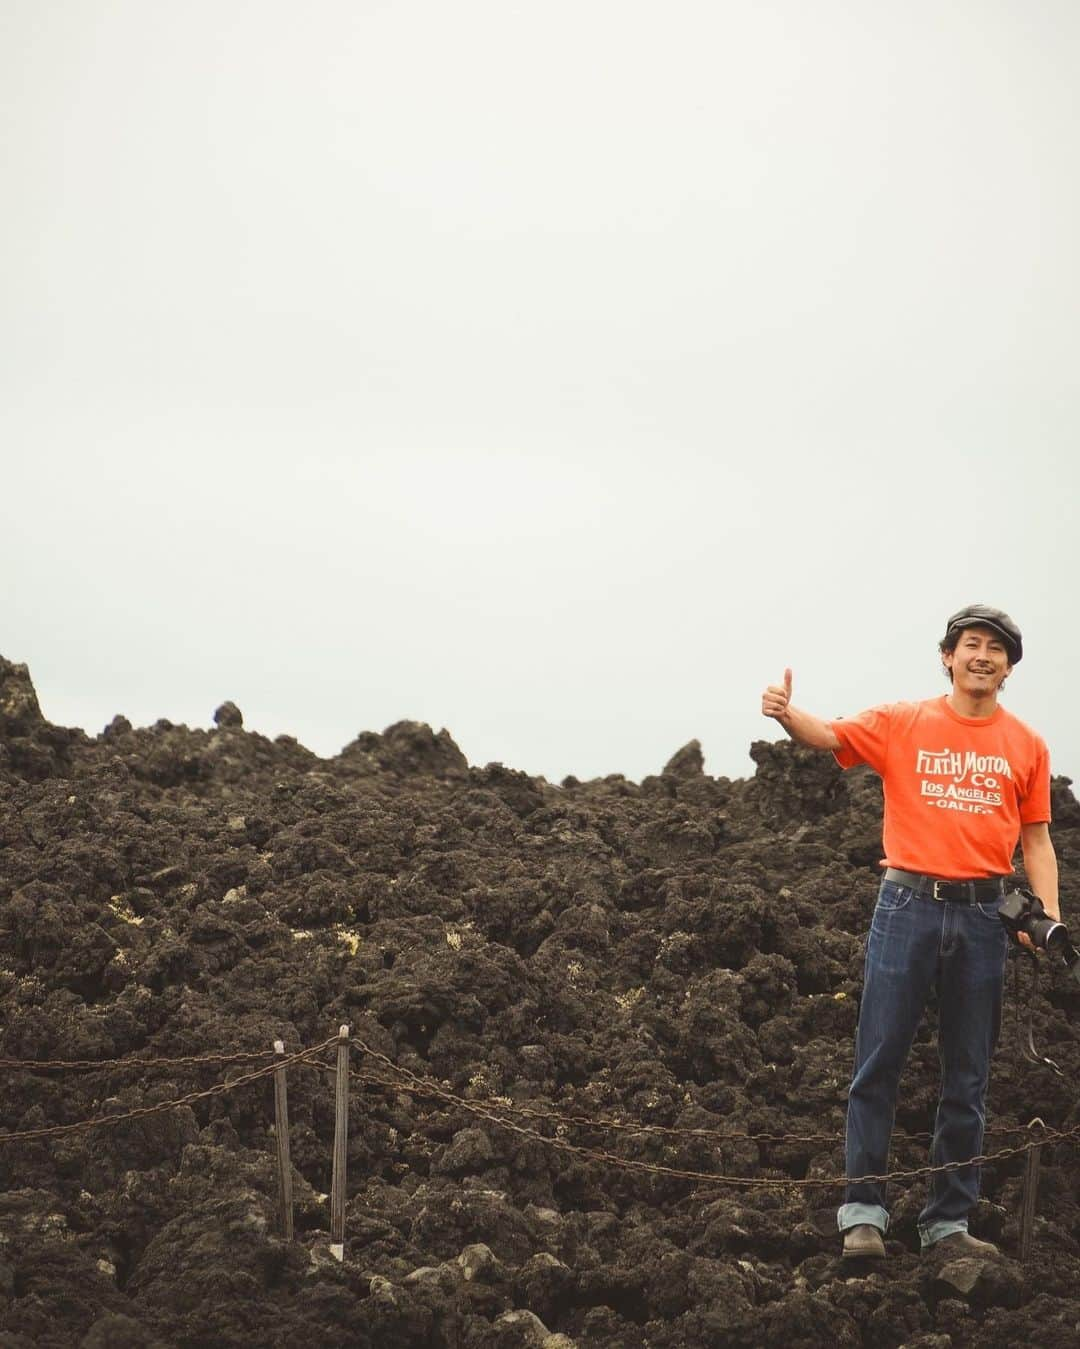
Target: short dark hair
(947, 645)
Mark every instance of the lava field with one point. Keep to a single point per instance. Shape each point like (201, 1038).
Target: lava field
(570, 1006)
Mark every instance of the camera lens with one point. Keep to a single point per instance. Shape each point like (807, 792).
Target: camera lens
(1051, 933)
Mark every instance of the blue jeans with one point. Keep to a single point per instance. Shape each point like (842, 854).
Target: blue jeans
(917, 943)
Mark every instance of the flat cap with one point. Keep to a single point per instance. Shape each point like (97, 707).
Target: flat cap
(983, 616)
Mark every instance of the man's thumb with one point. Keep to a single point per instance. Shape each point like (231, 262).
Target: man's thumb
(787, 682)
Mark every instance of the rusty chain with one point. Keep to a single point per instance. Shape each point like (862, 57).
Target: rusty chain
(141, 1112)
(418, 1085)
(582, 1121)
(44, 1065)
(631, 1127)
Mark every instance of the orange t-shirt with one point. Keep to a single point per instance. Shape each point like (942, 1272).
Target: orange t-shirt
(957, 789)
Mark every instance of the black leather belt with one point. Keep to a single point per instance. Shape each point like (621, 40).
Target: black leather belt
(954, 892)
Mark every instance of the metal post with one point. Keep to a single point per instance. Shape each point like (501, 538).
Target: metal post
(1031, 1190)
(341, 1136)
(281, 1133)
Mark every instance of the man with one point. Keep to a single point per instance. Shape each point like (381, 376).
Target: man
(963, 780)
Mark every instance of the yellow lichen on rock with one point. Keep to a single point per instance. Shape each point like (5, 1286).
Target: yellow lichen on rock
(349, 937)
(123, 910)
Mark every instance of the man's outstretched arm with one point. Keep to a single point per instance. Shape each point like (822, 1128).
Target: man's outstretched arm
(803, 727)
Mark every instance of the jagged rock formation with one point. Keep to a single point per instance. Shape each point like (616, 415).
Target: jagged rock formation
(683, 952)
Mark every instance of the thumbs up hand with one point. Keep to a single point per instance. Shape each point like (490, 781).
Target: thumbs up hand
(777, 697)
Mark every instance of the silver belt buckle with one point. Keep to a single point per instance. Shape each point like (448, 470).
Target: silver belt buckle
(934, 890)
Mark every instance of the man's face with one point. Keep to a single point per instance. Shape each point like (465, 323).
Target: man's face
(979, 663)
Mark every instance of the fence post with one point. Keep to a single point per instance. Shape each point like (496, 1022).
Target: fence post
(1031, 1190)
(341, 1135)
(281, 1133)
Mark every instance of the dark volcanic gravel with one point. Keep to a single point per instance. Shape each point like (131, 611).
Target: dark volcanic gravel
(685, 952)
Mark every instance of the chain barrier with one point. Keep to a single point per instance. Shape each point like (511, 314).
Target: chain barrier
(141, 1112)
(495, 1112)
(524, 1112)
(419, 1086)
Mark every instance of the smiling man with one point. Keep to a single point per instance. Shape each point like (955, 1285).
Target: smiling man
(964, 780)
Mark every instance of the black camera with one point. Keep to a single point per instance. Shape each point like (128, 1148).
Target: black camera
(1023, 911)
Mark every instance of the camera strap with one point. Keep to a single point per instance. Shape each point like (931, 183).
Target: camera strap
(1028, 1050)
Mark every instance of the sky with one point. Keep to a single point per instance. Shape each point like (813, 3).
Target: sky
(555, 373)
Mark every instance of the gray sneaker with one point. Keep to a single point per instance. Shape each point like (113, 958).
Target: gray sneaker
(961, 1243)
(863, 1242)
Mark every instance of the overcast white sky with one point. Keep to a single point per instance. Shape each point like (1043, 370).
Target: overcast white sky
(552, 372)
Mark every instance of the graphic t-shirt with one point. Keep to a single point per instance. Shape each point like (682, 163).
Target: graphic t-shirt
(957, 789)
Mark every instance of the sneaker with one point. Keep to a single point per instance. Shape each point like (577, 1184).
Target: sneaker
(961, 1243)
(863, 1242)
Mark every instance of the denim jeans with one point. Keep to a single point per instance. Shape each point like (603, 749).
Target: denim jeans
(917, 944)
